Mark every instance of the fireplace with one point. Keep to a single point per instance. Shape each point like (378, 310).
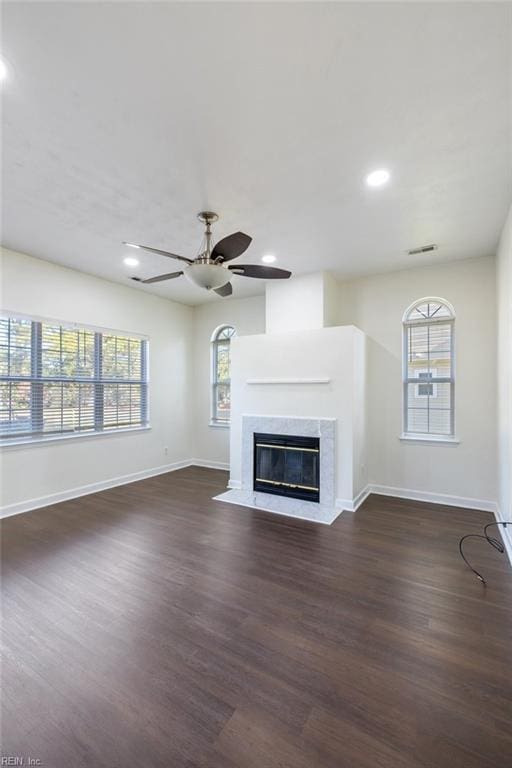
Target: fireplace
(297, 476)
(285, 465)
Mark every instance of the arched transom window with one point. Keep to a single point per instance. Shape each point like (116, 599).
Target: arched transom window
(429, 377)
(221, 374)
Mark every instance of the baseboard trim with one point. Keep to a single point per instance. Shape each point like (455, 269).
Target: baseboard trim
(480, 505)
(506, 533)
(350, 505)
(361, 497)
(209, 464)
(84, 490)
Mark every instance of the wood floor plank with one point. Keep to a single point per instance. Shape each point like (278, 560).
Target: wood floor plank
(150, 625)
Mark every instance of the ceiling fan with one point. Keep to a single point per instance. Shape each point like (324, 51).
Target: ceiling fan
(208, 269)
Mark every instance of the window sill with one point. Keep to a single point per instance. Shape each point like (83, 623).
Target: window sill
(24, 442)
(432, 439)
(219, 424)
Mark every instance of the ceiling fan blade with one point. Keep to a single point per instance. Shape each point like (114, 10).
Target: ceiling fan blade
(161, 253)
(231, 246)
(256, 270)
(224, 290)
(158, 278)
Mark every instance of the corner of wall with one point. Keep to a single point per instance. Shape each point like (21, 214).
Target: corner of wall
(504, 362)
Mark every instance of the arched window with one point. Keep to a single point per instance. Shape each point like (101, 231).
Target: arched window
(221, 375)
(428, 369)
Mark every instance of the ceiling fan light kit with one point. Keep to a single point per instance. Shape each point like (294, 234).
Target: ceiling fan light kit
(208, 270)
(209, 276)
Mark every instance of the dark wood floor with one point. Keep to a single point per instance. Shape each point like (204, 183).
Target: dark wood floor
(150, 626)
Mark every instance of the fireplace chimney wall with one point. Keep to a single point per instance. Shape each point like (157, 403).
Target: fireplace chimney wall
(305, 302)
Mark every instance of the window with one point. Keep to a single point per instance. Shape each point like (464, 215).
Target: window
(426, 390)
(221, 375)
(429, 381)
(63, 379)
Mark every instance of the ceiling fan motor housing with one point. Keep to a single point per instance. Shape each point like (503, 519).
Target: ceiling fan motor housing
(208, 276)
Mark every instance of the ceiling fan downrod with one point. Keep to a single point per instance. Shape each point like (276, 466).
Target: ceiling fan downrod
(208, 218)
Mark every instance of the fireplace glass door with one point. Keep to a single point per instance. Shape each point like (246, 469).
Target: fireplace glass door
(287, 466)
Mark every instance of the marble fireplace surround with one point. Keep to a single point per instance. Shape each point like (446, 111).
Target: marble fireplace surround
(325, 429)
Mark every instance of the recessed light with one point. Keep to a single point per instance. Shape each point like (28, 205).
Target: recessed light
(131, 262)
(268, 258)
(3, 70)
(378, 178)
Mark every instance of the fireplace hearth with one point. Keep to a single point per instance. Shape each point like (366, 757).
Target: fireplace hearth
(287, 465)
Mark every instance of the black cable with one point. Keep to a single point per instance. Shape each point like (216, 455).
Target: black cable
(490, 540)
(494, 542)
(471, 536)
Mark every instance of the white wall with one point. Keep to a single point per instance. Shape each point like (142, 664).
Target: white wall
(34, 287)
(376, 305)
(295, 304)
(247, 316)
(504, 303)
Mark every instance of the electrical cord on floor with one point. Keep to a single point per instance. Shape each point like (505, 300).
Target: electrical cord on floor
(492, 541)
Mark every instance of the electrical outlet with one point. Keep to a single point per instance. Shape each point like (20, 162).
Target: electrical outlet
(166, 450)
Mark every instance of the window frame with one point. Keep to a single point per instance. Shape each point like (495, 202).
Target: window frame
(97, 381)
(407, 323)
(215, 342)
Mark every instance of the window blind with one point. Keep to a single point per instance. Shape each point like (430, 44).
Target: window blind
(56, 379)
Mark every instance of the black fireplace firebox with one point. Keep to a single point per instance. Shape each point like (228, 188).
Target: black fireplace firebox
(286, 465)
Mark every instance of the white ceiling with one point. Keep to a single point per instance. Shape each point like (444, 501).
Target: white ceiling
(122, 120)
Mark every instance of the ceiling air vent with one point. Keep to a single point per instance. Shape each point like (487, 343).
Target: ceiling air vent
(422, 249)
